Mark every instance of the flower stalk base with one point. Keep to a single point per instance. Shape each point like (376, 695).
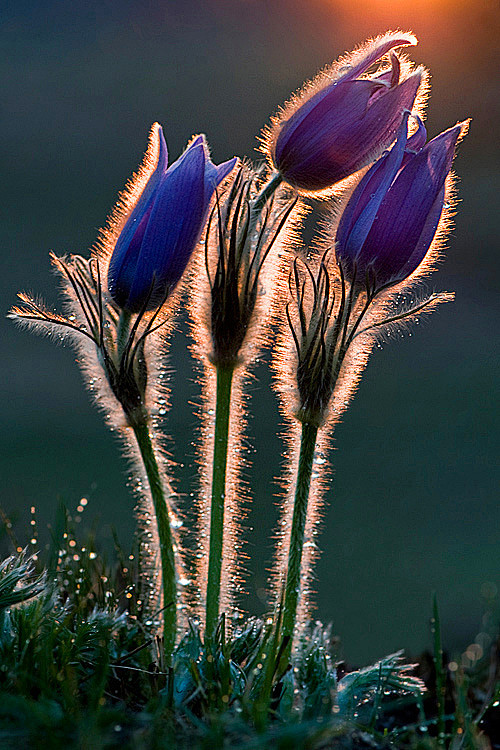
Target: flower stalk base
(292, 585)
(141, 432)
(221, 440)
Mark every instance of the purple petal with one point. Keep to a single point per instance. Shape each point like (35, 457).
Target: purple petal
(384, 112)
(441, 149)
(124, 258)
(140, 207)
(314, 115)
(215, 174)
(326, 148)
(390, 77)
(357, 202)
(419, 138)
(198, 142)
(405, 210)
(314, 154)
(224, 169)
(174, 227)
(380, 125)
(123, 264)
(373, 188)
(426, 237)
(382, 47)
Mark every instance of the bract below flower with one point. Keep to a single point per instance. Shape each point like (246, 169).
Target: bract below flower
(393, 214)
(158, 238)
(322, 138)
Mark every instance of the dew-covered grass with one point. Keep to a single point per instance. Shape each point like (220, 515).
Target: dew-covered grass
(81, 667)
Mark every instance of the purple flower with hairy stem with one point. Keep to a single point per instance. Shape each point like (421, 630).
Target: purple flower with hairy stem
(346, 122)
(393, 214)
(158, 238)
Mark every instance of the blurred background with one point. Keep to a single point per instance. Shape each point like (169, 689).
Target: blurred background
(413, 503)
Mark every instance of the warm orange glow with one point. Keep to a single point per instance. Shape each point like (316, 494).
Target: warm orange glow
(415, 14)
(402, 4)
(395, 7)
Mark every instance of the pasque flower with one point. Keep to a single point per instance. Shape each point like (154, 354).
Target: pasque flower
(384, 234)
(393, 214)
(342, 121)
(159, 236)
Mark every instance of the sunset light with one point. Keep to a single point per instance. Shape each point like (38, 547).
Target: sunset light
(275, 525)
(398, 7)
(420, 16)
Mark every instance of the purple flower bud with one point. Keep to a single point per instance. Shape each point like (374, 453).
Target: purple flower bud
(389, 223)
(161, 232)
(327, 135)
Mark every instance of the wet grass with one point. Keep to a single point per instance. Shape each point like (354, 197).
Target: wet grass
(82, 667)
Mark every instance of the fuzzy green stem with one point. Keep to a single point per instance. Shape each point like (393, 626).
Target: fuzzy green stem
(138, 419)
(165, 535)
(265, 194)
(123, 331)
(221, 439)
(292, 586)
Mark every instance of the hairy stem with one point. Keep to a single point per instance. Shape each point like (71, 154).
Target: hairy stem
(292, 585)
(165, 535)
(221, 438)
(265, 194)
(123, 331)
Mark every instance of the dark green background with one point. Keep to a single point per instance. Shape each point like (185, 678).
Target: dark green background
(413, 505)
